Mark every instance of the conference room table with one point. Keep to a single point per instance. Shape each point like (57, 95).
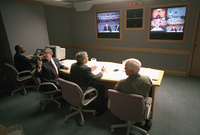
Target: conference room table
(115, 72)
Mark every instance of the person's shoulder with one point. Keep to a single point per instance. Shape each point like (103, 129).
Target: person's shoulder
(55, 59)
(85, 67)
(122, 81)
(74, 65)
(18, 54)
(145, 78)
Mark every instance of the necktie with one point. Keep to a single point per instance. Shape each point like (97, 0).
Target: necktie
(54, 70)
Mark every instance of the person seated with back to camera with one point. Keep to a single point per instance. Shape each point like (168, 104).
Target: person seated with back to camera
(22, 62)
(135, 84)
(48, 68)
(82, 75)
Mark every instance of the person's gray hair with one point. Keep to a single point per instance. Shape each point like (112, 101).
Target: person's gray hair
(80, 56)
(133, 64)
(49, 50)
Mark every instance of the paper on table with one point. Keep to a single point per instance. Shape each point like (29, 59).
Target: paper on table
(67, 63)
(153, 74)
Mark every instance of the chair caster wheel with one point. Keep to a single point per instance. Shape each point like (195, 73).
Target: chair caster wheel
(66, 119)
(81, 123)
(43, 108)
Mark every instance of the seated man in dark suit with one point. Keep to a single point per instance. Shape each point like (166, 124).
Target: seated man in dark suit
(48, 68)
(82, 75)
(107, 28)
(22, 62)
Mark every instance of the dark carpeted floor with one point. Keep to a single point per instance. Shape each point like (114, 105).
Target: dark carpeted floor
(177, 113)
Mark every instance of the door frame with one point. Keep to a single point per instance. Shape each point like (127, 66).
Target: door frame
(197, 18)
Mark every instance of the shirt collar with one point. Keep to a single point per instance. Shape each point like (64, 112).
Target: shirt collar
(134, 76)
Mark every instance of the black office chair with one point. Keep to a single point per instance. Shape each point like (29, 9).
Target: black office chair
(19, 78)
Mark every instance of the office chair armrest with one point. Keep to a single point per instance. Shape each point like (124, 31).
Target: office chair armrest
(47, 88)
(148, 108)
(149, 101)
(87, 101)
(24, 75)
(90, 90)
(27, 72)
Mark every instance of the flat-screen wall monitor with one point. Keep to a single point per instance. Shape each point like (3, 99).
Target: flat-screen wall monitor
(168, 23)
(108, 24)
(58, 52)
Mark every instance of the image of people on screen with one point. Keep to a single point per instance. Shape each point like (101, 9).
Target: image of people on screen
(174, 29)
(117, 27)
(169, 19)
(108, 22)
(158, 16)
(181, 28)
(107, 28)
(157, 28)
(158, 25)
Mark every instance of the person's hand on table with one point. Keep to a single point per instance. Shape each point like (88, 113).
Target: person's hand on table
(66, 67)
(103, 69)
(93, 68)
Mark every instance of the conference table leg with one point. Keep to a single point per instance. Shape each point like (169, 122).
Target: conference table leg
(108, 85)
(154, 100)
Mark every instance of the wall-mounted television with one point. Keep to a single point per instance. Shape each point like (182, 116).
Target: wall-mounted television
(168, 22)
(108, 25)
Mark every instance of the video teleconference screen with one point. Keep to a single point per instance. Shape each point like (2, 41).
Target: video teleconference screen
(108, 24)
(168, 22)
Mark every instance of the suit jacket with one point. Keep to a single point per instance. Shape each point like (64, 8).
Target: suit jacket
(107, 29)
(81, 74)
(23, 63)
(46, 74)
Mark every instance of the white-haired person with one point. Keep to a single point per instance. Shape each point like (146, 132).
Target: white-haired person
(135, 84)
(48, 68)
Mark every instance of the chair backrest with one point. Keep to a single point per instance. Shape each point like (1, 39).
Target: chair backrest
(12, 70)
(44, 87)
(127, 106)
(71, 92)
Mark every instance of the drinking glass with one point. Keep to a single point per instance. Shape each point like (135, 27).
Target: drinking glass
(93, 60)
